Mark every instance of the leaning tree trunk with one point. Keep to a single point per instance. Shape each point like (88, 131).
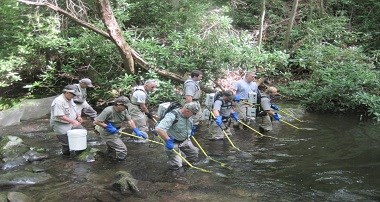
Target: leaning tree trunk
(290, 25)
(135, 56)
(116, 35)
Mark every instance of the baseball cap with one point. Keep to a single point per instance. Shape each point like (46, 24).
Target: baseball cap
(71, 89)
(192, 106)
(122, 100)
(87, 81)
(229, 94)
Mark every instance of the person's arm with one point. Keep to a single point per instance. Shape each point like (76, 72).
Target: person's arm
(260, 81)
(132, 124)
(162, 134)
(100, 123)
(144, 108)
(215, 112)
(74, 122)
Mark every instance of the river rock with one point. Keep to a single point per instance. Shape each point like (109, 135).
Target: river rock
(12, 163)
(18, 197)
(34, 156)
(125, 183)
(23, 178)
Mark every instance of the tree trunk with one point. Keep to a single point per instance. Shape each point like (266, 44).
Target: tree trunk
(116, 35)
(261, 23)
(135, 55)
(290, 25)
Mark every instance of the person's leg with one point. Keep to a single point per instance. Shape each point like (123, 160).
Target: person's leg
(191, 152)
(174, 161)
(64, 140)
(118, 147)
(216, 132)
(266, 124)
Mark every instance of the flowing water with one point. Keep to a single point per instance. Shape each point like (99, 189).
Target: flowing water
(338, 161)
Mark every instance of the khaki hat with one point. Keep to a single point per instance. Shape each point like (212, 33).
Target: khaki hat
(192, 106)
(122, 100)
(71, 89)
(87, 81)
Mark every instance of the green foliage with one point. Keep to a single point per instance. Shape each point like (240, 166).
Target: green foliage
(166, 92)
(341, 80)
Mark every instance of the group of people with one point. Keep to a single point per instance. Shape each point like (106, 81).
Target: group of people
(175, 128)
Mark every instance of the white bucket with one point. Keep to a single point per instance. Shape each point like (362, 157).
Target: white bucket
(77, 139)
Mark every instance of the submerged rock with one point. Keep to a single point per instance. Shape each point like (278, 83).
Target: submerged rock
(34, 156)
(88, 155)
(23, 178)
(125, 183)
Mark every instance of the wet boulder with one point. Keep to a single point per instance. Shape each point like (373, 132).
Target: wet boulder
(11, 147)
(125, 183)
(18, 197)
(32, 155)
(23, 178)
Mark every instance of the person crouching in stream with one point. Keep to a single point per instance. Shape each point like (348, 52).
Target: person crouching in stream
(108, 124)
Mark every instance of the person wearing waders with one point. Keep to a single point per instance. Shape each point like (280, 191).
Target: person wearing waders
(176, 129)
(137, 108)
(65, 117)
(223, 111)
(242, 88)
(192, 93)
(268, 110)
(80, 99)
(108, 124)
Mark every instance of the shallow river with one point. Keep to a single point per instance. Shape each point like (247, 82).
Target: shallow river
(338, 161)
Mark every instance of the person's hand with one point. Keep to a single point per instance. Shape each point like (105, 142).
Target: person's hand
(192, 132)
(277, 116)
(237, 98)
(149, 115)
(235, 116)
(275, 107)
(139, 133)
(169, 144)
(79, 119)
(111, 129)
(218, 120)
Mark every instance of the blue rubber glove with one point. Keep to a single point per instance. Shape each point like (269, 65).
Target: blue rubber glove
(237, 98)
(169, 144)
(235, 116)
(111, 129)
(277, 117)
(218, 120)
(275, 107)
(139, 133)
(192, 132)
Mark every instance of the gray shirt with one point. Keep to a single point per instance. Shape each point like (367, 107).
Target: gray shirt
(60, 107)
(224, 109)
(180, 130)
(139, 96)
(265, 102)
(192, 89)
(243, 88)
(82, 96)
(109, 115)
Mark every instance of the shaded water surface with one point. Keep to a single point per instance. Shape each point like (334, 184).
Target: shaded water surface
(339, 161)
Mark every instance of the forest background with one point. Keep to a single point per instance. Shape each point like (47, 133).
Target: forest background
(321, 53)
